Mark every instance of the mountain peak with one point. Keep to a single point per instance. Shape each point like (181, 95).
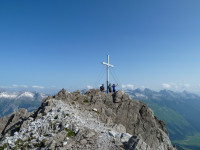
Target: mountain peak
(94, 120)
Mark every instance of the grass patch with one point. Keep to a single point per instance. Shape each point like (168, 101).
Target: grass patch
(54, 124)
(46, 134)
(44, 114)
(113, 141)
(86, 101)
(5, 145)
(97, 112)
(66, 115)
(43, 142)
(70, 133)
(24, 146)
(56, 117)
(38, 144)
(15, 148)
(19, 144)
(31, 138)
(17, 128)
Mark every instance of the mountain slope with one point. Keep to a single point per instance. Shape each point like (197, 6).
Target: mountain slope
(178, 110)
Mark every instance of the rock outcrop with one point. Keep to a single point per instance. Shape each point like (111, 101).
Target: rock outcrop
(94, 120)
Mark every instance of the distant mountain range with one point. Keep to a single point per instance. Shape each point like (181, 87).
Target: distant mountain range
(180, 112)
(10, 102)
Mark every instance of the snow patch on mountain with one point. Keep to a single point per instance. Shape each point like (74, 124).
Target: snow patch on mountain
(141, 95)
(8, 95)
(26, 94)
(19, 95)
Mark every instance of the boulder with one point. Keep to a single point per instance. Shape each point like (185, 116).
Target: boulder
(125, 137)
(61, 95)
(119, 128)
(117, 96)
(137, 143)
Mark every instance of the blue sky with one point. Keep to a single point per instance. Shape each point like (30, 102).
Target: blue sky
(154, 44)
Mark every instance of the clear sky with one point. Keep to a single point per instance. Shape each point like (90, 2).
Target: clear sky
(154, 44)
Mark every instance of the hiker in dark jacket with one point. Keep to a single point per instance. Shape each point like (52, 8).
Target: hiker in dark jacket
(102, 89)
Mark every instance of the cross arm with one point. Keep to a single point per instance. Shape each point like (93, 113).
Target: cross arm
(109, 65)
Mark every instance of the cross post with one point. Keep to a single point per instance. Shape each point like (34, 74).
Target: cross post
(108, 65)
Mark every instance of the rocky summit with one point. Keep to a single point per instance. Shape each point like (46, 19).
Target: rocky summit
(94, 120)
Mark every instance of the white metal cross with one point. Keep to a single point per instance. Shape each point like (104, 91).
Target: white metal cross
(108, 65)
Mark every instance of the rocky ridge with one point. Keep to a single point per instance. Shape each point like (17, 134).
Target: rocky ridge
(94, 120)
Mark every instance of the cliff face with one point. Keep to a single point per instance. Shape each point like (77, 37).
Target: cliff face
(94, 120)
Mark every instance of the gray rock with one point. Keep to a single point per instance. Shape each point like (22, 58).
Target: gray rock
(117, 97)
(83, 141)
(119, 128)
(125, 137)
(112, 133)
(137, 143)
(62, 95)
(90, 134)
(51, 145)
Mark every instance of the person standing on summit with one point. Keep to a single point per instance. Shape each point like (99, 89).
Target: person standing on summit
(110, 88)
(114, 87)
(102, 89)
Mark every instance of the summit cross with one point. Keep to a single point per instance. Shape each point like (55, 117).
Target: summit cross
(108, 65)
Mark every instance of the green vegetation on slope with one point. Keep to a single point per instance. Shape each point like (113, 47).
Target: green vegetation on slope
(176, 124)
(190, 142)
(179, 110)
(177, 127)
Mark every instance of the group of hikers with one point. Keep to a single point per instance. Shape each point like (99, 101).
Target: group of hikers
(111, 88)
